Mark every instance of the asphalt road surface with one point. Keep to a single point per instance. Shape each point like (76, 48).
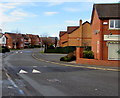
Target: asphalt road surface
(22, 75)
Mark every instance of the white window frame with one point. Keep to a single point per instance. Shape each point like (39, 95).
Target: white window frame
(114, 24)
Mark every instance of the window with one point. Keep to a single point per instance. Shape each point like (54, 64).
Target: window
(3, 40)
(114, 24)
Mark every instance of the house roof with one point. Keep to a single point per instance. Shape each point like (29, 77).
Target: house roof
(62, 33)
(108, 10)
(70, 29)
(14, 35)
(32, 36)
(85, 22)
(25, 36)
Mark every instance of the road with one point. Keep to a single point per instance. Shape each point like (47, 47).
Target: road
(22, 75)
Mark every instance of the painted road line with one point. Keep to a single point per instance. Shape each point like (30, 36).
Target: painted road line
(23, 71)
(35, 71)
(97, 68)
(34, 66)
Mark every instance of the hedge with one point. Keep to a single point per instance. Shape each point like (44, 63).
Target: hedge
(67, 49)
(69, 57)
(4, 49)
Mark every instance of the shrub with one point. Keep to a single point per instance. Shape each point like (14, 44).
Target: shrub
(87, 48)
(62, 59)
(69, 57)
(4, 49)
(51, 47)
(31, 46)
(88, 54)
(36, 46)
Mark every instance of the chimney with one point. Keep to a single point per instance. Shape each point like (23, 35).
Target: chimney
(80, 22)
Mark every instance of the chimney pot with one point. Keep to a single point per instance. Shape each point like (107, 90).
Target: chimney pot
(80, 22)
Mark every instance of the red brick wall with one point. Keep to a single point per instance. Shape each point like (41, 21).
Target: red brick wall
(99, 46)
(96, 37)
(86, 35)
(9, 41)
(63, 40)
(97, 62)
(80, 60)
(107, 31)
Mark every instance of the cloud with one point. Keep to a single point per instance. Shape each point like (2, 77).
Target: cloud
(16, 14)
(95, 1)
(71, 22)
(50, 13)
(103, 1)
(20, 13)
(54, 3)
(71, 9)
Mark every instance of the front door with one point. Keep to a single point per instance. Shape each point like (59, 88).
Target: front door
(114, 51)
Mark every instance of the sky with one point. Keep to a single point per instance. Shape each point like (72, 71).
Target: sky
(44, 18)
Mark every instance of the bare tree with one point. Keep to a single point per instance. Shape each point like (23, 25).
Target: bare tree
(45, 40)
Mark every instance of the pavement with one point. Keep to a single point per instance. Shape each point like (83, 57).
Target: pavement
(25, 75)
(55, 58)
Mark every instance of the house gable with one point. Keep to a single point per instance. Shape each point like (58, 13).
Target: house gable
(3, 39)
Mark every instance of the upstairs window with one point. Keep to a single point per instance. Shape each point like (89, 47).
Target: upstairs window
(114, 24)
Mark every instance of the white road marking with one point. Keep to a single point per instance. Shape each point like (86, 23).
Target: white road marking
(23, 71)
(34, 66)
(35, 71)
(20, 52)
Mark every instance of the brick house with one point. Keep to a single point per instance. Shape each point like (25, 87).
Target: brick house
(80, 35)
(63, 38)
(105, 23)
(14, 41)
(54, 41)
(34, 39)
(3, 39)
(76, 35)
(27, 40)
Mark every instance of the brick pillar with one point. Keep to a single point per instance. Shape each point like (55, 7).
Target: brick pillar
(79, 52)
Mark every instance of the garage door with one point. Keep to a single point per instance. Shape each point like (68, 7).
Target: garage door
(114, 51)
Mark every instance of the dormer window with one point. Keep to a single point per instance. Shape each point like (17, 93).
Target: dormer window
(114, 24)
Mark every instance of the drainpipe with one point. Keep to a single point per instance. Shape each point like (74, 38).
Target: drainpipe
(101, 40)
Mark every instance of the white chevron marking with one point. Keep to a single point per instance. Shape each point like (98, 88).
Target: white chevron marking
(23, 71)
(35, 71)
